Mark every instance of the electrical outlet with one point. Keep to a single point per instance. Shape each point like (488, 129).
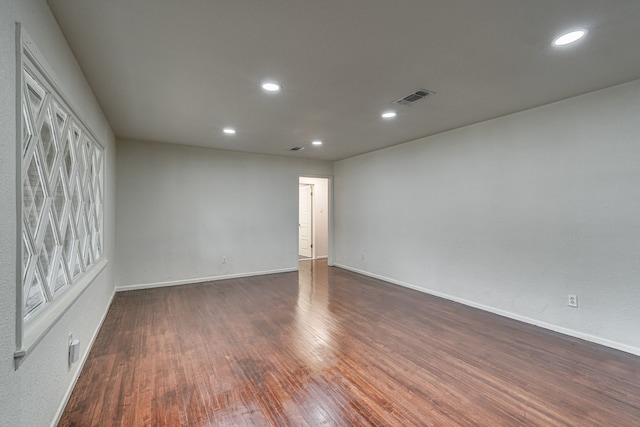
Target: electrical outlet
(572, 300)
(364, 258)
(69, 342)
(224, 259)
(74, 350)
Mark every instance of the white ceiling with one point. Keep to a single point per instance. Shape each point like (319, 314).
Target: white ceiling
(180, 71)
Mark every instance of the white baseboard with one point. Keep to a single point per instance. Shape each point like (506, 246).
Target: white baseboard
(570, 332)
(200, 280)
(85, 356)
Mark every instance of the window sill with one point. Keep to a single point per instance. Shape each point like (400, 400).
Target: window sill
(34, 330)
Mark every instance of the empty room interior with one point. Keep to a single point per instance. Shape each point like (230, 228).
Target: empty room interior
(306, 212)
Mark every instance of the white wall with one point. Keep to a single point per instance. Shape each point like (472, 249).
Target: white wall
(181, 209)
(510, 215)
(320, 215)
(32, 395)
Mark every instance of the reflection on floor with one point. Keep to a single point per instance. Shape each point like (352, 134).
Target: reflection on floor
(324, 346)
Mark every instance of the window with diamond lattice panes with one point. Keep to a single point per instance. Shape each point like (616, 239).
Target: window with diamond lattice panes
(62, 210)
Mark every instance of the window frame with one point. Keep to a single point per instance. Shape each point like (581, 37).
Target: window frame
(33, 326)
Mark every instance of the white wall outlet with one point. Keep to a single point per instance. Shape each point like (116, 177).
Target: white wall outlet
(572, 300)
(364, 258)
(224, 259)
(74, 350)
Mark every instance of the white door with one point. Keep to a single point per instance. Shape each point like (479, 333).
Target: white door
(305, 221)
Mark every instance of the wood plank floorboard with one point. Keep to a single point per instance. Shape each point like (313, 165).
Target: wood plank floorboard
(327, 347)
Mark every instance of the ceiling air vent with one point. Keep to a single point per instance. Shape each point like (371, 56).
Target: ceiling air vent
(413, 97)
(296, 148)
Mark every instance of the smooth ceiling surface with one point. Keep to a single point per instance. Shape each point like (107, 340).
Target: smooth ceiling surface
(180, 71)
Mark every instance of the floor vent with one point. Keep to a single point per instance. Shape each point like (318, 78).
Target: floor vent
(296, 148)
(414, 97)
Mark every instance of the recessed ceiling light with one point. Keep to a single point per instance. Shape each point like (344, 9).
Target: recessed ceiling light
(271, 86)
(229, 131)
(317, 142)
(569, 38)
(389, 114)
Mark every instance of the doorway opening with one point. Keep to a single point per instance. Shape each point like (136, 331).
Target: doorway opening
(313, 218)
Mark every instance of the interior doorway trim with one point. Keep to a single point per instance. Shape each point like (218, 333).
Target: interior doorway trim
(329, 207)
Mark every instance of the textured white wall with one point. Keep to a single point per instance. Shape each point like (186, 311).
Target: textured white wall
(10, 384)
(320, 215)
(32, 395)
(181, 209)
(510, 215)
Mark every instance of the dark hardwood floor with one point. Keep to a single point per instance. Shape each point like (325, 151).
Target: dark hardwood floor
(327, 347)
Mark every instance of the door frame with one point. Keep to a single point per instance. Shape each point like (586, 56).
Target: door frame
(330, 240)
